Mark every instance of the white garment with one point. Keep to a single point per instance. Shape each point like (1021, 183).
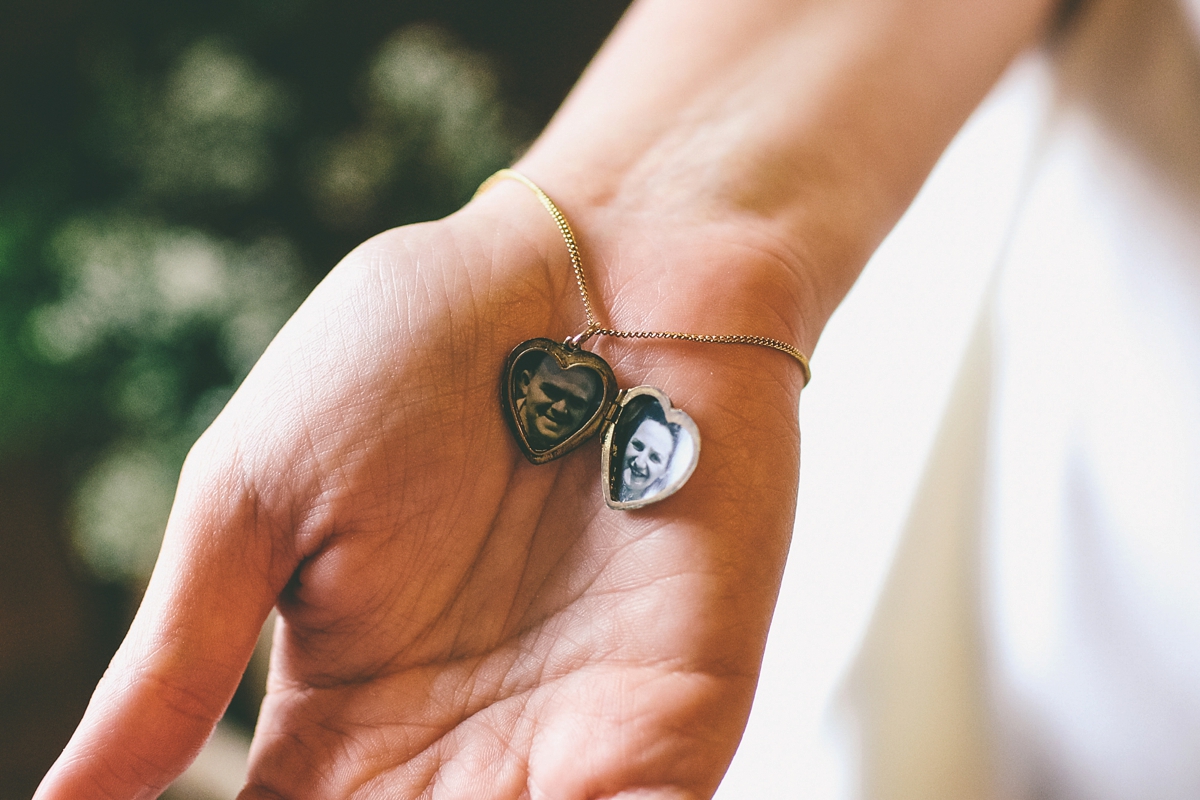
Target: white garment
(1030, 541)
(1091, 590)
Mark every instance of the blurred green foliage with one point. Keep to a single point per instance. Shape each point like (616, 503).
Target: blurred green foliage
(175, 177)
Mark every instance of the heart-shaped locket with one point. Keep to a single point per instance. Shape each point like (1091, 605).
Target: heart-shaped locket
(649, 450)
(554, 397)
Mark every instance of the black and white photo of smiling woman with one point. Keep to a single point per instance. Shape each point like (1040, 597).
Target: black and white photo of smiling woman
(652, 450)
(647, 454)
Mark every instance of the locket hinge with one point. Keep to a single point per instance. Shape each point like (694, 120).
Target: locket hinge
(610, 413)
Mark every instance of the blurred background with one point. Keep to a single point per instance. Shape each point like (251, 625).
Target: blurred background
(174, 179)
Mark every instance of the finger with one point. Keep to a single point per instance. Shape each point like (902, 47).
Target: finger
(215, 581)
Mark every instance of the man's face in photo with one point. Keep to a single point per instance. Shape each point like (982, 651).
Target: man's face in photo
(557, 402)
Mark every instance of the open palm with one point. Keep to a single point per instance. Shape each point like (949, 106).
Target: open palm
(456, 622)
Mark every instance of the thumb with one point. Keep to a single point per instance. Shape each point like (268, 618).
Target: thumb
(216, 579)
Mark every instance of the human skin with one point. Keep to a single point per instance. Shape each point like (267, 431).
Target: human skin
(454, 621)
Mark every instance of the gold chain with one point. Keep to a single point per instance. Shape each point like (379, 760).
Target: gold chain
(593, 326)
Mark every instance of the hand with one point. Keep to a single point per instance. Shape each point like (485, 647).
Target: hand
(455, 621)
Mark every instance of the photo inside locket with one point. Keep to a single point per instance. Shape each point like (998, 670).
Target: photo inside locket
(552, 403)
(649, 454)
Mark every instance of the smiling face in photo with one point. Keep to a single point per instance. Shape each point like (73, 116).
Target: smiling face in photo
(555, 402)
(646, 458)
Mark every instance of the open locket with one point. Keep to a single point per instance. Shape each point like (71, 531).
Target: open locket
(556, 396)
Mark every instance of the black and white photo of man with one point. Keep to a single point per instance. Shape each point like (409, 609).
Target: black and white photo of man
(552, 403)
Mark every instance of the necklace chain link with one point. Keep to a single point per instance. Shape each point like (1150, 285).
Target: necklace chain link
(594, 328)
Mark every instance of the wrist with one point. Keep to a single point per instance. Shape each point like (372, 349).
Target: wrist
(800, 130)
(649, 273)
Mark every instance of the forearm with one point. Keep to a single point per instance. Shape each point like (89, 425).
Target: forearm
(810, 122)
